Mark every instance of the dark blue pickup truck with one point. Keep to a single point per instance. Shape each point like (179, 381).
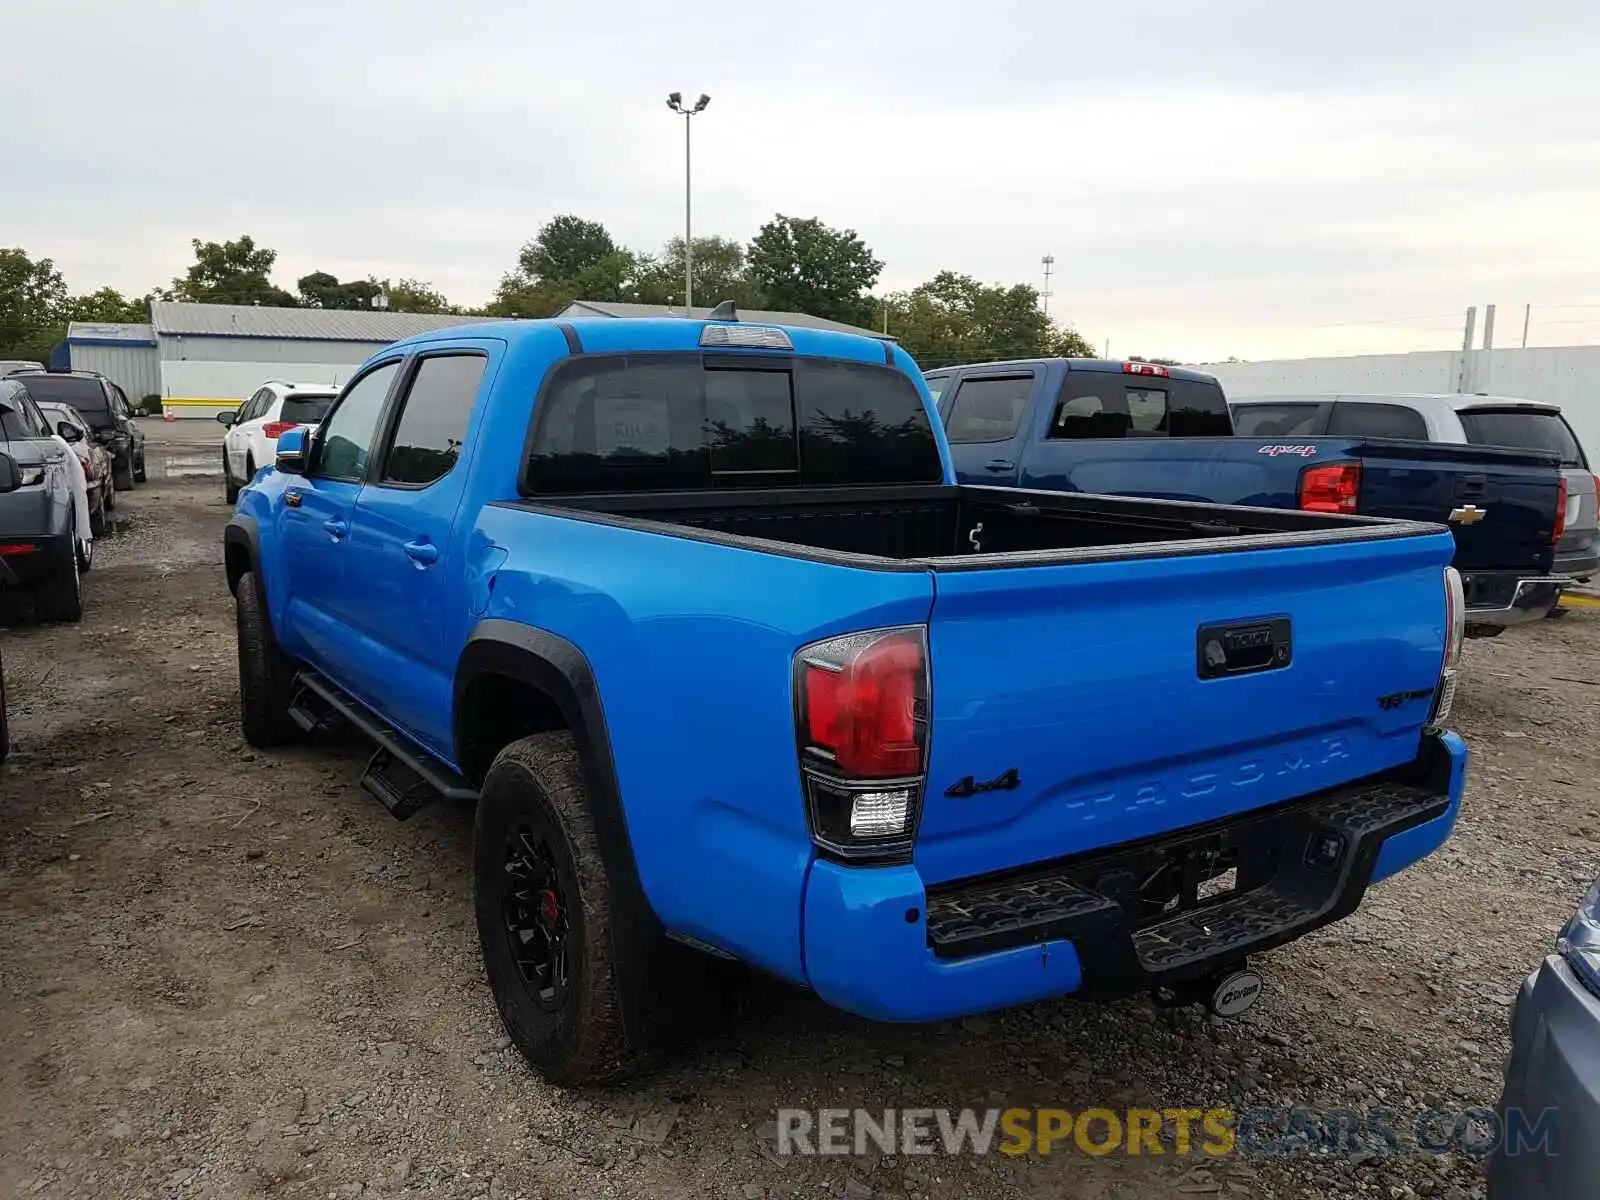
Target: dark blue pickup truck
(1141, 429)
(732, 668)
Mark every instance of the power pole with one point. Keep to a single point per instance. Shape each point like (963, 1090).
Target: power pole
(1464, 376)
(1049, 260)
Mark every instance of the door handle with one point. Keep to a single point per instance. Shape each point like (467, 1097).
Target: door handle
(999, 464)
(336, 528)
(424, 554)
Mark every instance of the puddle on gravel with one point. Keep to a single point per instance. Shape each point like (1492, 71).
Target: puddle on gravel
(183, 466)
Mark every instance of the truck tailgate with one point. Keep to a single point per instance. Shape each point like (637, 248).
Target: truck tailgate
(1500, 503)
(1069, 711)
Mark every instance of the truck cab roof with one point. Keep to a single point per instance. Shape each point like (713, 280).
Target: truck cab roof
(1109, 366)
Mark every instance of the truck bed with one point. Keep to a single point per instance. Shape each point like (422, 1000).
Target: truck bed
(951, 527)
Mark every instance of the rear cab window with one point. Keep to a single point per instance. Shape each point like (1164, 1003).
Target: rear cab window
(1111, 404)
(1524, 429)
(672, 421)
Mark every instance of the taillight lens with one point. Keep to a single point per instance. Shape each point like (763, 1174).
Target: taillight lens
(861, 710)
(1455, 628)
(1334, 488)
(1561, 512)
(273, 428)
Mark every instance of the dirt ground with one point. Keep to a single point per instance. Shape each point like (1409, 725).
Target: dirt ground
(226, 973)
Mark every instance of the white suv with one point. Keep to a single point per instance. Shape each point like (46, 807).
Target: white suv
(253, 429)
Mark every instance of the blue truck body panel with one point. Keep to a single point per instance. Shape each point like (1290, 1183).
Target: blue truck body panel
(1076, 670)
(1413, 480)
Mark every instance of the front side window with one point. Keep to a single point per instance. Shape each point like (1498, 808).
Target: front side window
(988, 410)
(433, 419)
(349, 433)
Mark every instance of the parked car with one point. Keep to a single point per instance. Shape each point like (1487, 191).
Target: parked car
(1460, 420)
(695, 613)
(252, 437)
(94, 458)
(103, 408)
(9, 365)
(1143, 429)
(10, 480)
(1554, 1067)
(39, 536)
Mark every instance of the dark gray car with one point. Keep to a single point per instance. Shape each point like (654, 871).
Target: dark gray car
(39, 537)
(1553, 1075)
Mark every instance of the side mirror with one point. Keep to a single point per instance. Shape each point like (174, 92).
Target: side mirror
(69, 432)
(10, 477)
(228, 417)
(292, 450)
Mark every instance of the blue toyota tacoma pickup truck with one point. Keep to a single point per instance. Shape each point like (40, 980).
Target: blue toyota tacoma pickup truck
(1143, 429)
(697, 615)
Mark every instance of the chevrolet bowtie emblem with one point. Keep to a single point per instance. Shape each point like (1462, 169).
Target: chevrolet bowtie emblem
(1467, 514)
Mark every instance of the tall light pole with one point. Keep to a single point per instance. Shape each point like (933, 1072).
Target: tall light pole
(675, 103)
(1048, 262)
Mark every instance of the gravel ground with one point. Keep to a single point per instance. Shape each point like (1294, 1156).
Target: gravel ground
(225, 973)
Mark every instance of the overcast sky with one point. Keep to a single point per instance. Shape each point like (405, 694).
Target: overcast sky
(1249, 177)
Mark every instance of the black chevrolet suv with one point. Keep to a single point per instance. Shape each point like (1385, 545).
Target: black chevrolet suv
(40, 542)
(104, 409)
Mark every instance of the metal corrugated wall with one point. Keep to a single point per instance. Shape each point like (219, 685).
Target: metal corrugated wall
(134, 368)
(176, 347)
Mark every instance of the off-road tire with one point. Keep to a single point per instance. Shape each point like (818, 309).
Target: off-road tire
(266, 676)
(139, 471)
(230, 489)
(122, 477)
(539, 782)
(60, 597)
(97, 518)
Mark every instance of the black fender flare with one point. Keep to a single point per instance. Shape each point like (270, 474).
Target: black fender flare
(554, 666)
(241, 543)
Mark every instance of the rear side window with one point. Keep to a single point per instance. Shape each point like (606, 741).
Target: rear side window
(1377, 420)
(1102, 404)
(1525, 429)
(672, 422)
(988, 410)
(937, 385)
(433, 419)
(303, 410)
(1279, 420)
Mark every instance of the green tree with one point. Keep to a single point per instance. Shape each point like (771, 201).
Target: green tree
(719, 274)
(564, 249)
(519, 296)
(417, 296)
(234, 272)
(33, 298)
(109, 307)
(801, 265)
(956, 319)
(322, 290)
(1067, 342)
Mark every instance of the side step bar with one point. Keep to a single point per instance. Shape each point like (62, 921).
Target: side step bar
(402, 777)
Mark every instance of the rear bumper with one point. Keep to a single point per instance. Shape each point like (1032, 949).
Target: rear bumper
(1498, 598)
(878, 943)
(1580, 563)
(1554, 1065)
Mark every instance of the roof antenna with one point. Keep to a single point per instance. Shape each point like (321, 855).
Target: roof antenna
(724, 312)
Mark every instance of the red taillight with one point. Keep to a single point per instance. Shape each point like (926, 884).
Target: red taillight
(273, 428)
(1561, 512)
(861, 701)
(1139, 368)
(1331, 489)
(10, 548)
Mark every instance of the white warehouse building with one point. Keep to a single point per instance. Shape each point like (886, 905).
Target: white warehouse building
(202, 359)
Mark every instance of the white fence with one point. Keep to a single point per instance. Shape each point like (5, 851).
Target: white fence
(203, 389)
(1564, 375)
